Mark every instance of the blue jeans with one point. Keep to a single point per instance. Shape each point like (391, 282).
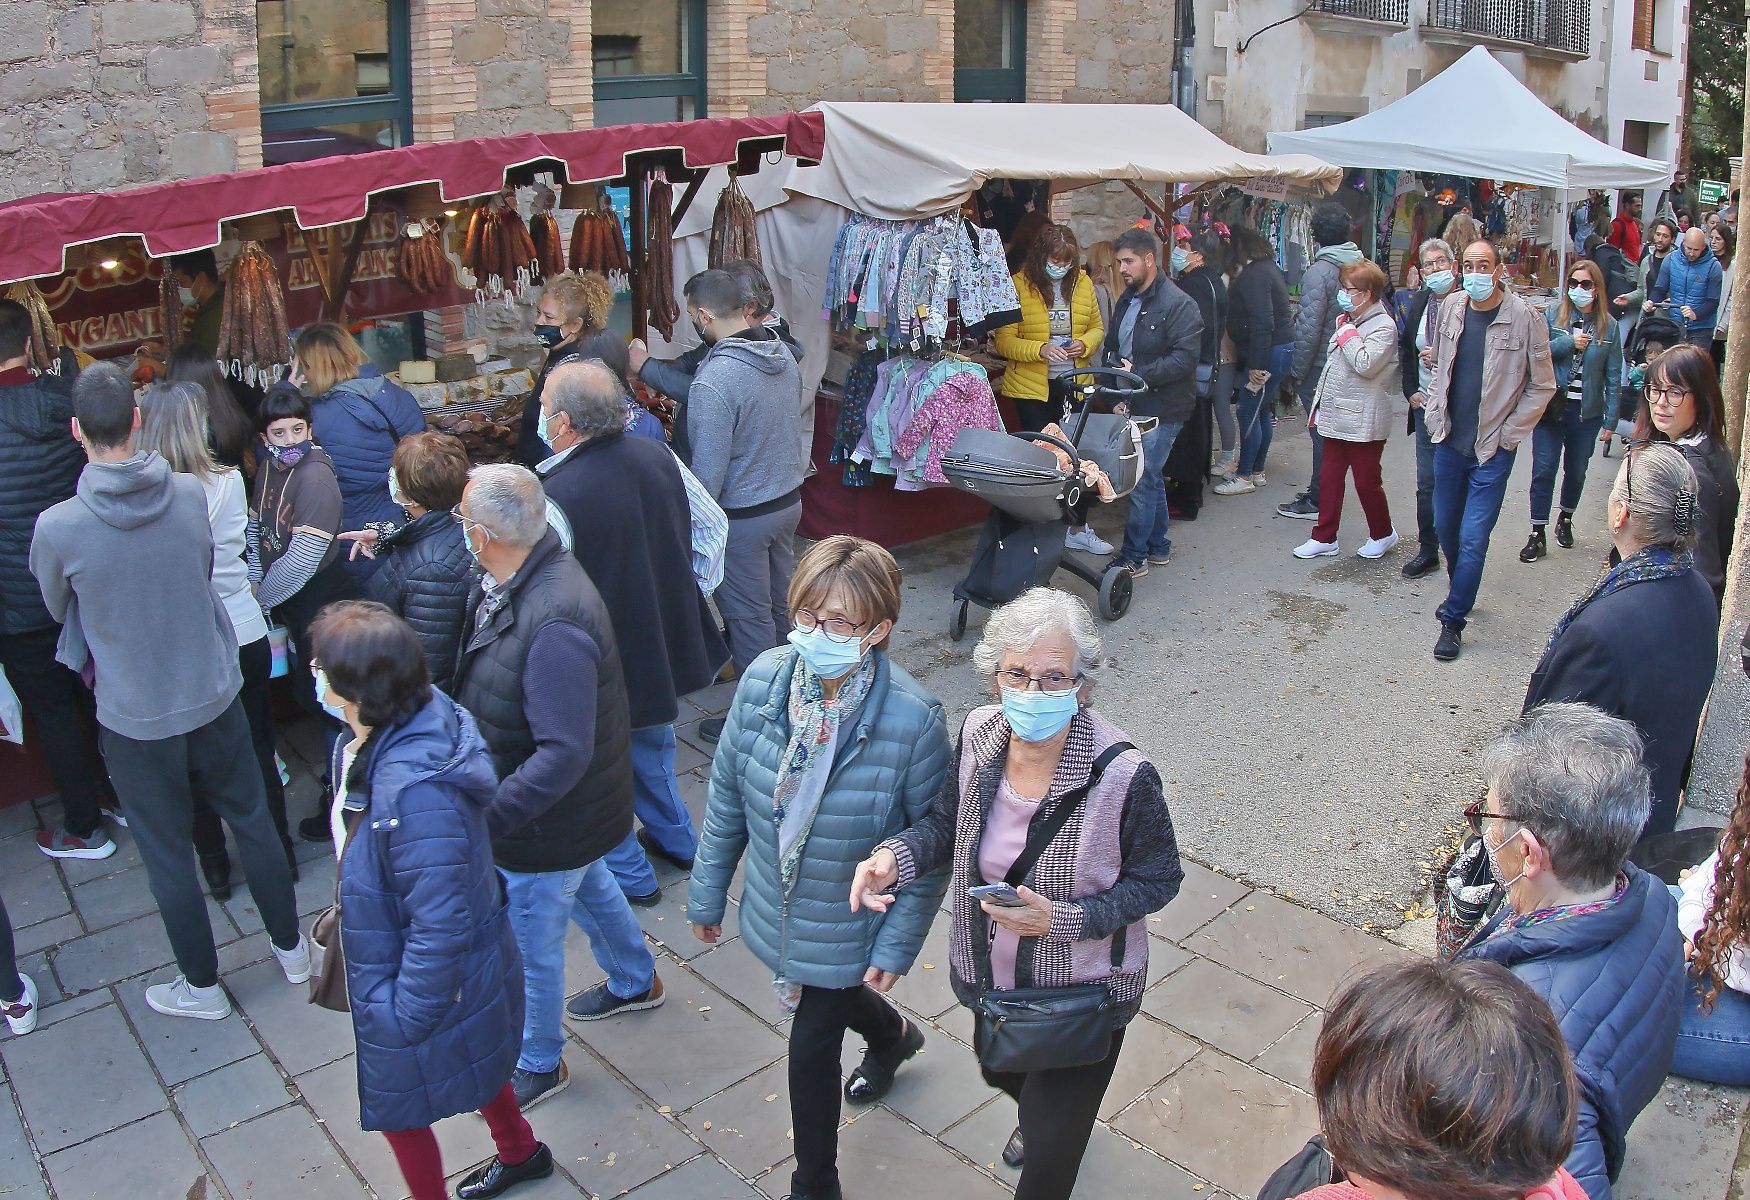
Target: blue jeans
(539, 903)
(1573, 439)
(1145, 530)
(1425, 534)
(1467, 503)
(1714, 1047)
(1257, 422)
(657, 802)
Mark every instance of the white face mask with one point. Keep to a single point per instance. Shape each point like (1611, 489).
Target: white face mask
(395, 492)
(1495, 862)
(186, 295)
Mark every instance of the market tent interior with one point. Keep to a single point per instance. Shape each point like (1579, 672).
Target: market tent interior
(912, 161)
(1476, 120)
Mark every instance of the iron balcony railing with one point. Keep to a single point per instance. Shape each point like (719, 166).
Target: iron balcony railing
(1392, 12)
(1560, 25)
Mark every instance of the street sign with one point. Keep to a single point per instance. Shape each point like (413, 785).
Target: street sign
(1713, 191)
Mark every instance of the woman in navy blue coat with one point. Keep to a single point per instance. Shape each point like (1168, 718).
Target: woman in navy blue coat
(432, 971)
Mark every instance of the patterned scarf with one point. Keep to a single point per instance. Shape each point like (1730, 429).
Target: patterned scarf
(814, 729)
(1643, 566)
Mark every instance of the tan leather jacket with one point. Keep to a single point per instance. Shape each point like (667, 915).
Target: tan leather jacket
(1518, 377)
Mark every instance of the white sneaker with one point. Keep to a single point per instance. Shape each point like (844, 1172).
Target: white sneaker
(1258, 479)
(1315, 549)
(1239, 485)
(179, 998)
(21, 1013)
(1087, 541)
(1376, 547)
(296, 961)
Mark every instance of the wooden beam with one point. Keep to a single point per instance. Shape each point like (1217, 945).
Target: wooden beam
(639, 183)
(1150, 203)
(688, 196)
(343, 263)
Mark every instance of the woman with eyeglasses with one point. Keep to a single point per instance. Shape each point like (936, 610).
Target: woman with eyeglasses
(1585, 345)
(1050, 802)
(1682, 406)
(1653, 606)
(828, 748)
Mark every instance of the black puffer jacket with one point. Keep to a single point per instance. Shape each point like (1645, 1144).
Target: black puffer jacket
(39, 467)
(425, 578)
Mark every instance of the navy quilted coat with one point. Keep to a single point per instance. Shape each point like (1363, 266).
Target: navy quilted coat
(358, 422)
(887, 770)
(431, 962)
(425, 579)
(1615, 982)
(39, 467)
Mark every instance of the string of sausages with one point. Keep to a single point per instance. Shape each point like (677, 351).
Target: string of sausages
(598, 245)
(658, 276)
(733, 232)
(420, 261)
(498, 249)
(544, 232)
(254, 341)
(44, 342)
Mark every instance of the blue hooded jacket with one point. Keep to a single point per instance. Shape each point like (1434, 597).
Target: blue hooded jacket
(431, 962)
(358, 422)
(1694, 285)
(1614, 980)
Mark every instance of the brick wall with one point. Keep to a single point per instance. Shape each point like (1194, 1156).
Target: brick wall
(125, 92)
(487, 67)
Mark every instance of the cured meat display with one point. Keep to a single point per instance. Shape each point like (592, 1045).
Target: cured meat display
(420, 261)
(598, 245)
(657, 278)
(498, 249)
(254, 342)
(544, 232)
(44, 342)
(733, 234)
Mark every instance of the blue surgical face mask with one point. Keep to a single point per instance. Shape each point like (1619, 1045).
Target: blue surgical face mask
(1479, 287)
(323, 697)
(396, 495)
(1345, 300)
(1053, 271)
(1579, 298)
(1439, 282)
(1180, 259)
(1039, 716)
(542, 429)
(826, 656)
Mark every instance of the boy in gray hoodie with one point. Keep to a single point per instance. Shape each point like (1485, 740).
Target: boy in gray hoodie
(126, 565)
(744, 422)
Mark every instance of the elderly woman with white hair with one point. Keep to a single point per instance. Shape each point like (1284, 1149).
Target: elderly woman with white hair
(1061, 846)
(1641, 643)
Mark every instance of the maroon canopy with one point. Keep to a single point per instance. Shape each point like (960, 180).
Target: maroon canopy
(174, 218)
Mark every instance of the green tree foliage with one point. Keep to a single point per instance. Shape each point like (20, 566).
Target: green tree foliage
(1716, 79)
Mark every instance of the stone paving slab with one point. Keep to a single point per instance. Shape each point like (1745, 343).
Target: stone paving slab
(182, 1049)
(148, 1158)
(231, 1095)
(1224, 1008)
(282, 1156)
(64, 1107)
(19, 1178)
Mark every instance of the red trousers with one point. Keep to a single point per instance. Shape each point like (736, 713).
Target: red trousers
(1340, 459)
(416, 1150)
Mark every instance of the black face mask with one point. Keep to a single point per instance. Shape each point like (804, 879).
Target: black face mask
(549, 335)
(703, 335)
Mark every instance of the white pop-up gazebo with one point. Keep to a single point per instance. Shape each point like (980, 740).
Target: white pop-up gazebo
(1476, 120)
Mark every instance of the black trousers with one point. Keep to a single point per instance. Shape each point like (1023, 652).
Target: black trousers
(158, 781)
(1058, 1109)
(65, 719)
(817, 1038)
(256, 659)
(11, 986)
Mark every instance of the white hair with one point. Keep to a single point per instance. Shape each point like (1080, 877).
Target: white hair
(1434, 243)
(1020, 623)
(508, 502)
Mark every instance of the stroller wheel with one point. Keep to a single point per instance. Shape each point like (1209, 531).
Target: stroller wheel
(957, 622)
(1115, 591)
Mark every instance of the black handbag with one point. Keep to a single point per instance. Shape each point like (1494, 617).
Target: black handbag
(1313, 1167)
(1029, 1028)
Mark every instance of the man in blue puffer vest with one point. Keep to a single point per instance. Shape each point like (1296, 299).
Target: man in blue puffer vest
(1691, 282)
(1591, 933)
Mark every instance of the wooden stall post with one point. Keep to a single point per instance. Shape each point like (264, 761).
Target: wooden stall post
(638, 180)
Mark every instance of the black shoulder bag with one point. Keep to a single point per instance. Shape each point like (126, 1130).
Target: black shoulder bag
(1040, 1029)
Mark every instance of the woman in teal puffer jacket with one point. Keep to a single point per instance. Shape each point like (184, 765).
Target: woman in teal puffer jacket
(828, 749)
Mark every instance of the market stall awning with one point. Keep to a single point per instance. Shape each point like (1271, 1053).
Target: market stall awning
(173, 218)
(902, 161)
(1476, 120)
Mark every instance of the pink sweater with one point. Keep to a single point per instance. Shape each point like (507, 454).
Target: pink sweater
(1562, 1187)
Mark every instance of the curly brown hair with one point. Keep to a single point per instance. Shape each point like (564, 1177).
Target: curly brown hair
(1727, 925)
(1053, 242)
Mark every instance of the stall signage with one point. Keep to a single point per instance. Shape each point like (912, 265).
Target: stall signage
(1266, 187)
(107, 313)
(1713, 191)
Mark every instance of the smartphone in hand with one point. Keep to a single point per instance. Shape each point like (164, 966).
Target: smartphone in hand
(1000, 894)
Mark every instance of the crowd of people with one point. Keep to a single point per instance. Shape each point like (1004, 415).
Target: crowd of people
(496, 655)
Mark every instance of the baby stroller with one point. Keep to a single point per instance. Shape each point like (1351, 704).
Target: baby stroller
(1653, 334)
(1034, 499)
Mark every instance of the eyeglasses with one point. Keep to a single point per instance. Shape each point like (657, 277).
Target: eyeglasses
(1583, 283)
(468, 522)
(1667, 397)
(837, 629)
(1436, 264)
(1474, 816)
(1052, 681)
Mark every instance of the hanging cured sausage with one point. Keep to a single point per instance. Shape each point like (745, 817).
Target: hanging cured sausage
(254, 342)
(658, 276)
(498, 249)
(420, 261)
(544, 232)
(733, 232)
(44, 342)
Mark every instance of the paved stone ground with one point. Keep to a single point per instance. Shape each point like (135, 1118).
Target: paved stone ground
(1266, 690)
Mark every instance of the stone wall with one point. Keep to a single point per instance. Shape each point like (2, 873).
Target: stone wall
(125, 92)
(488, 67)
(847, 50)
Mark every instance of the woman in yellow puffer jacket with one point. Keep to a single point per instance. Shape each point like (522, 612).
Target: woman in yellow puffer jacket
(1059, 331)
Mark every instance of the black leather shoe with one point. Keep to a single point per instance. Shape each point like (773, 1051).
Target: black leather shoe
(873, 1077)
(494, 1178)
(647, 900)
(1446, 649)
(656, 851)
(1427, 558)
(711, 729)
(1014, 1153)
(1535, 546)
(1565, 531)
(316, 829)
(217, 870)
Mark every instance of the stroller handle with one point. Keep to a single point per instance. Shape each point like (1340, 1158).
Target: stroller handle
(1075, 460)
(1134, 384)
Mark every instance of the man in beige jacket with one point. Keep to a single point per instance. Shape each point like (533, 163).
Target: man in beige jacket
(1492, 380)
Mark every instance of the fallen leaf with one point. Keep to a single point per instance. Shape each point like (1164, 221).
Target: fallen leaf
(663, 1108)
(707, 1125)
(771, 1098)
